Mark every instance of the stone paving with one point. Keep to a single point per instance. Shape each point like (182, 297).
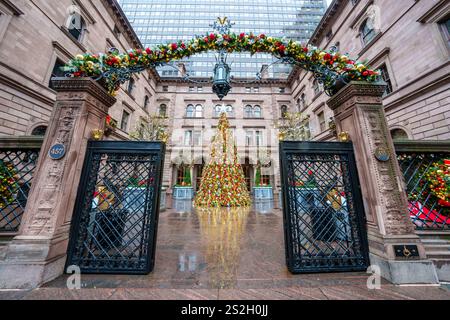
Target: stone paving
(218, 255)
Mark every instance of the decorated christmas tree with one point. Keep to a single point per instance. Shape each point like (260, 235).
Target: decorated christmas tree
(223, 183)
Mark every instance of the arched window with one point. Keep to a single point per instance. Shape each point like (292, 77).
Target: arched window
(76, 26)
(230, 111)
(198, 111)
(248, 111)
(217, 110)
(284, 110)
(367, 32)
(163, 110)
(39, 131)
(190, 111)
(257, 111)
(399, 134)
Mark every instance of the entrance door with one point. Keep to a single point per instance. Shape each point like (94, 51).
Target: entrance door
(247, 168)
(116, 214)
(323, 213)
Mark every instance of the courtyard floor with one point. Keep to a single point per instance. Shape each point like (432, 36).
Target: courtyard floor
(217, 255)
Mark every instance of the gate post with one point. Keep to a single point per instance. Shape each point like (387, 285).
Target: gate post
(38, 253)
(393, 245)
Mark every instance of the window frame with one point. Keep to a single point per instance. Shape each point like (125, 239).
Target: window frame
(190, 111)
(127, 122)
(364, 36)
(82, 31)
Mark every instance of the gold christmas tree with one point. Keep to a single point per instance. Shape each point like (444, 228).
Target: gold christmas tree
(223, 182)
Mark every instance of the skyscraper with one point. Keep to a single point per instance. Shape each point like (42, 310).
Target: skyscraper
(162, 21)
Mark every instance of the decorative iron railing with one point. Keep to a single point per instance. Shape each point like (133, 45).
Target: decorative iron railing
(427, 180)
(18, 160)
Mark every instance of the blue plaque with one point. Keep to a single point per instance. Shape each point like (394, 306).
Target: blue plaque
(382, 154)
(57, 151)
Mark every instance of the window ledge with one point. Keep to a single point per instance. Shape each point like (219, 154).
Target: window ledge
(71, 37)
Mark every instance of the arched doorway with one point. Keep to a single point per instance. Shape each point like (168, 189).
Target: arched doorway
(248, 173)
(198, 172)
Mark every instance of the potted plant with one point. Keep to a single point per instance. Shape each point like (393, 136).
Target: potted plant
(262, 191)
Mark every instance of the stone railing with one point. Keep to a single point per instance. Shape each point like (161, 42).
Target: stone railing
(18, 160)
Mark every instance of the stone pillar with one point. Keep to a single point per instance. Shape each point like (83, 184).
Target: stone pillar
(358, 110)
(38, 253)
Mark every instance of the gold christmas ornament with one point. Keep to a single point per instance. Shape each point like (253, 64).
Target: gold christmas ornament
(344, 136)
(97, 134)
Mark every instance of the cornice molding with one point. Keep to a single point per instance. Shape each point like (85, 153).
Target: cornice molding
(83, 85)
(58, 46)
(437, 12)
(12, 7)
(84, 12)
(357, 19)
(19, 86)
(360, 89)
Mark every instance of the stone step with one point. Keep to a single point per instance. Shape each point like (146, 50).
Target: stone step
(434, 248)
(441, 255)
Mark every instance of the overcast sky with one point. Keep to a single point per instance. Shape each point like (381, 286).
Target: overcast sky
(329, 2)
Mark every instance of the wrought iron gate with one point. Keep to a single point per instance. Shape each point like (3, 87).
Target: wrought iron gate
(323, 214)
(116, 213)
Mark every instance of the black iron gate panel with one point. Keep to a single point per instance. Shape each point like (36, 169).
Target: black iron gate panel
(116, 215)
(18, 161)
(323, 214)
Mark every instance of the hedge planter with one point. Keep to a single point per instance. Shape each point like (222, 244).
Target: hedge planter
(183, 193)
(263, 193)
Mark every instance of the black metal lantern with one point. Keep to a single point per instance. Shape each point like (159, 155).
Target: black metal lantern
(221, 82)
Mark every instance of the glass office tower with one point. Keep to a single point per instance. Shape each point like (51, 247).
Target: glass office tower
(162, 21)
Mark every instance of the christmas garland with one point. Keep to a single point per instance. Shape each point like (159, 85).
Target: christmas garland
(438, 178)
(97, 65)
(8, 176)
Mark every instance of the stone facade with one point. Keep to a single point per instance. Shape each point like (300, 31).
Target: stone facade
(34, 36)
(256, 137)
(409, 42)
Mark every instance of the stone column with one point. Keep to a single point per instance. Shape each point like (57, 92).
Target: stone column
(358, 110)
(38, 253)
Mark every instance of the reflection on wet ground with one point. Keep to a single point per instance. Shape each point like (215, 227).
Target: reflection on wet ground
(227, 254)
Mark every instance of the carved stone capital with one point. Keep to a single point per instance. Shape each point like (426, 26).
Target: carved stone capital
(80, 88)
(357, 92)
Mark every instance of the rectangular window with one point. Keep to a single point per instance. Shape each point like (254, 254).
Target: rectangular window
(386, 78)
(248, 138)
(191, 89)
(265, 180)
(322, 124)
(125, 120)
(192, 138)
(197, 137)
(258, 138)
(57, 72)
(188, 138)
(445, 27)
(165, 88)
(282, 90)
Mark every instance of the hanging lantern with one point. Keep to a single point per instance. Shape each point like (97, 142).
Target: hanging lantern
(221, 82)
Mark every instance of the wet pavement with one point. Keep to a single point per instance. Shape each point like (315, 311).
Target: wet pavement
(224, 254)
